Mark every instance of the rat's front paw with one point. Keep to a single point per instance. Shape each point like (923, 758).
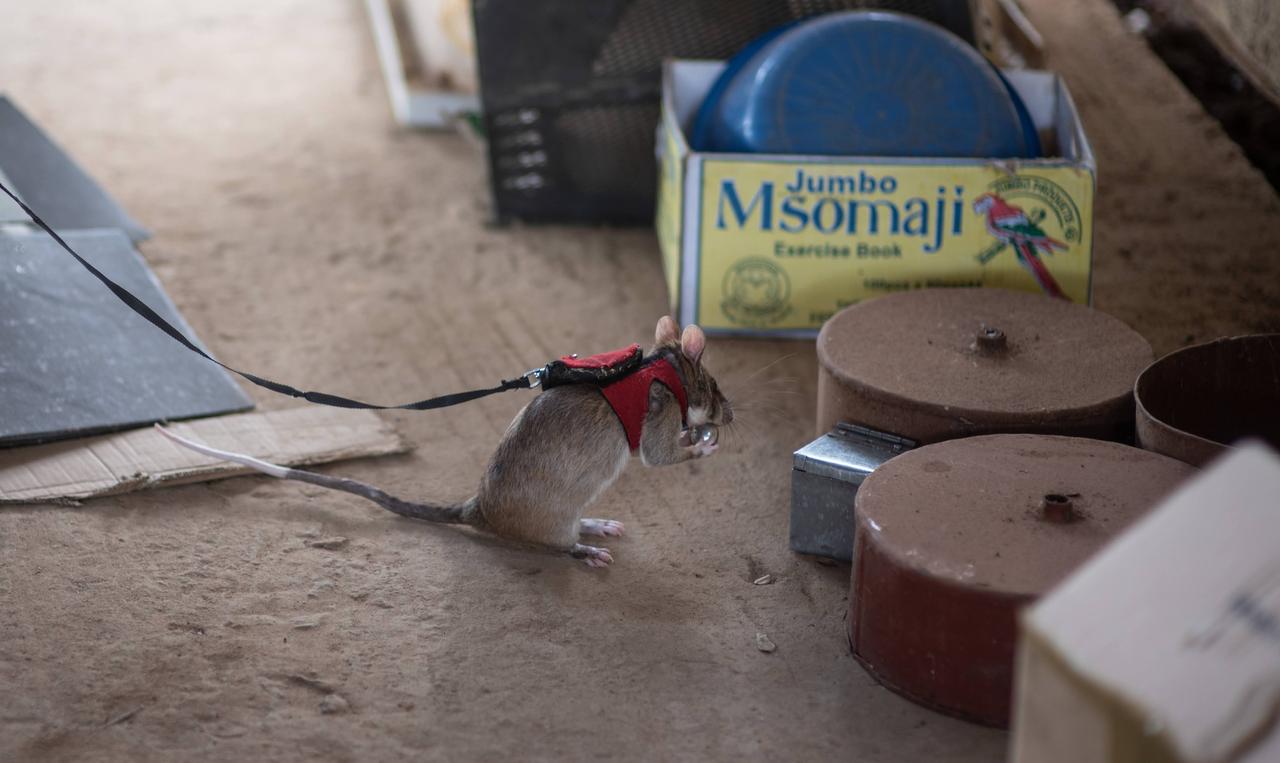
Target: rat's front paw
(701, 450)
(701, 440)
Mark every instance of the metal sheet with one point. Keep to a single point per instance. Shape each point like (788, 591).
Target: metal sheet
(74, 360)
(48, 181)
(10, 212)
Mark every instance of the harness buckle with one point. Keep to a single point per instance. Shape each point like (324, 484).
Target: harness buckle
(535, 376)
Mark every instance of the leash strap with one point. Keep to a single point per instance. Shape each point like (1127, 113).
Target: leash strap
(323, 398)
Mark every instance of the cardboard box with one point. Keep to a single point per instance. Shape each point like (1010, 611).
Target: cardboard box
(122, 462)
(1165, 646)
(773, 245)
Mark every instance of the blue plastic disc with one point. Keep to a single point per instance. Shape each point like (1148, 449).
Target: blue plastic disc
(700, 138)
(862, 83)
(1029, 133)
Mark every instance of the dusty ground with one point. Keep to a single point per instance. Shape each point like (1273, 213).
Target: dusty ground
(308, 239)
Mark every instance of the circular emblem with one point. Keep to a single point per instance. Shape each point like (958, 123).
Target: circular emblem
(756, 292)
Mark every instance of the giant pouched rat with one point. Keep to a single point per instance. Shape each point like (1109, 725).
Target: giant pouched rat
(562, 451)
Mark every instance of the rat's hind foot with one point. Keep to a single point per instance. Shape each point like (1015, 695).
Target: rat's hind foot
(601, 527)
(594, 557)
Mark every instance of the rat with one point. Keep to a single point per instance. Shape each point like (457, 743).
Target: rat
(563, 450)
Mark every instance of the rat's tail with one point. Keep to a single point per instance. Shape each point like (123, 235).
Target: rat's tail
(455, 514)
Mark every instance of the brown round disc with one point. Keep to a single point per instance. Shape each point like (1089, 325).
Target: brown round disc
(1193, 403)
(935, 364)
(952, 539)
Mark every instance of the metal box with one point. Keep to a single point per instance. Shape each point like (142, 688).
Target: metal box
(825, 477)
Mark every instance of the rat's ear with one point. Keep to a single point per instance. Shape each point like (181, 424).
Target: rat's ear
(668, 331)
(693, 342)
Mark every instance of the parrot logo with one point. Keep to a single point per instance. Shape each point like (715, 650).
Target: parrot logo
(1013, 227)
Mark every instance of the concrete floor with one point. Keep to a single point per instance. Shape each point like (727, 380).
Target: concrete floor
(307, 238)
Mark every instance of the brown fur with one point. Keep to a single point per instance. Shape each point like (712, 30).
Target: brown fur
(567, 446)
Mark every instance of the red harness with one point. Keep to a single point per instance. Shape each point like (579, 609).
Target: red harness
(629, 396)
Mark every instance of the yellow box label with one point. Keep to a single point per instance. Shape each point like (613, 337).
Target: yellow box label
(785, 245)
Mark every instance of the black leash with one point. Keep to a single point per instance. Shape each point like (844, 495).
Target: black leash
(530, 379)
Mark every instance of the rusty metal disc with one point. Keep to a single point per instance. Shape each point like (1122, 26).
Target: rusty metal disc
(1195, 402)
(954, 538)
(935, 364)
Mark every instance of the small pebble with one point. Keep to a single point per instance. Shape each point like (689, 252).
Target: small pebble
(333, 704)
(764, 644)
(321, 587)
(306, 622)
(763, 580)
(329, 544)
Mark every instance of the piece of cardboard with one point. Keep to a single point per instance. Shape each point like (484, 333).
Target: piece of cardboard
(76, 360)
(773, 245)
(143, 458)
(48, 181)
(1165, 646)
